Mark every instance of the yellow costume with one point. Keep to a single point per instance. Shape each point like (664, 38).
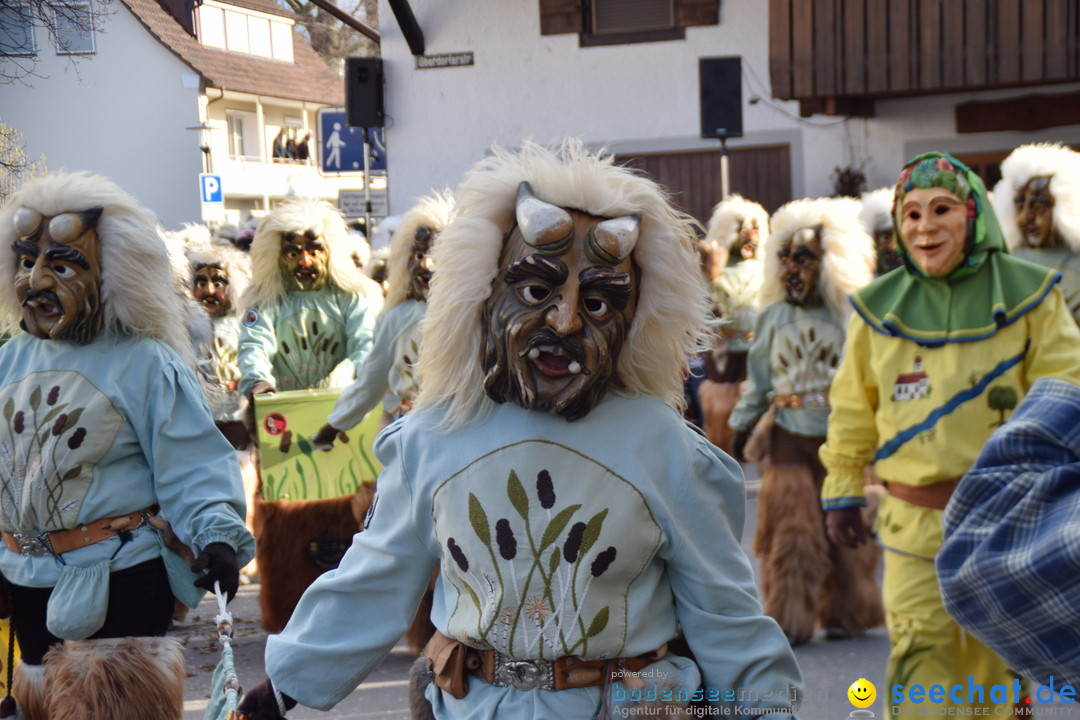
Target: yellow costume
(920, 412)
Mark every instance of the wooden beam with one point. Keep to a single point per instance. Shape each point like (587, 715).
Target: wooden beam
(409, 27)
(347, 19)
(1024, 114)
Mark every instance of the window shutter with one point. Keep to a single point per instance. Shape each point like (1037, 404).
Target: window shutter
(560, 16)
(691, 13)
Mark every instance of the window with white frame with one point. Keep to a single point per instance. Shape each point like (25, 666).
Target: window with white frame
(212, 26)
(243, 135)
(259, 37)
(74, 28)
(16, 30)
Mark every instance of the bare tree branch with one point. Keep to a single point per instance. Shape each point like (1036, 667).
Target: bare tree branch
(70, 26)
(330, 38)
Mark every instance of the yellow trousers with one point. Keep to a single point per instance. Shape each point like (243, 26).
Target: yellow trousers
(927, 647)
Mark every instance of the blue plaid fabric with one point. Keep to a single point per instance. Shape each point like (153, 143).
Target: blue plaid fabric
(1009, 567)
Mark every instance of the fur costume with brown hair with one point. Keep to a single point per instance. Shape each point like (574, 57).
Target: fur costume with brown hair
(735, 288)
(805, 579)
(289, 565)
(298, 530)
(28, 689)
(120, 679)
(717, 400)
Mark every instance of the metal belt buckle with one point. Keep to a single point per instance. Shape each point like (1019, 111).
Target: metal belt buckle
(33, 545)
(524, 674)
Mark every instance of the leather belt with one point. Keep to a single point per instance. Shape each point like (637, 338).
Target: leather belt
(808, 401)
(558, 674)
(59, 542)
(451, 660)
(934, 496)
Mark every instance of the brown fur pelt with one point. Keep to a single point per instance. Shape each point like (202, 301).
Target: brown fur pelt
(717, 401)
(421, 675)
(285, 531)
(759, 446)
(28, 689)
(804, 578)
(120, 679)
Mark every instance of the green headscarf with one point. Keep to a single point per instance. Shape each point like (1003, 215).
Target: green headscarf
(987, 290)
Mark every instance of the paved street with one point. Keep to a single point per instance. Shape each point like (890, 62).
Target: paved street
(829, 667)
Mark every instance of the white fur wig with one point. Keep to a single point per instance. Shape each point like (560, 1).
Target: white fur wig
(298, 215)
(849, 250)
(360, 250)
(723, 229)
(189, 234)
(1041, 159)
(876, 213)
(135, 264)
(431, 211)
(668, 326)
(235, 262)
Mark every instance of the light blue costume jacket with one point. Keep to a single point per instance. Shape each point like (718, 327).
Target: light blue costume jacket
(592, 538)
(394, 351)
(795, 352)
(104, 429)
(219, 361)
(297, 342)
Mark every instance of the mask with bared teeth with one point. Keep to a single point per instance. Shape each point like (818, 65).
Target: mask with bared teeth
(560, 307)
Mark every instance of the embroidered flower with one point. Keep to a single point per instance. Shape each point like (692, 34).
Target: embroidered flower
(573, 542)
(536, 608)
(457, 554)
(545, 489)
(505, 537)
(18, 422)
(77, 439)
(54, 394)
(506, 617)
(603, 561)
(58, 426)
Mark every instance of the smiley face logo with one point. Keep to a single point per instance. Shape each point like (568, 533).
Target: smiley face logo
(862, 693)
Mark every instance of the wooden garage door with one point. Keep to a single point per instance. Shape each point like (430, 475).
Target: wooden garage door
(761, 174)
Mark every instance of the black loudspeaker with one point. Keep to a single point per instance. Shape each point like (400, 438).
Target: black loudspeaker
(721, 97)
(364, 92)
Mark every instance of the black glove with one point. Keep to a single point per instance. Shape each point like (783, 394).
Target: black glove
(259, 703)
(218, 559)
(738, 444)
(845, 526)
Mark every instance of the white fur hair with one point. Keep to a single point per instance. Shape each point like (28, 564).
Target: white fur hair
(135, 264)
(668, 326)
(876, 213)
(431, 211)
(361, 250)
(723, 228)
(849, 250)
(189, 234)
(300, 214)
(235, 262)
(1026, 162)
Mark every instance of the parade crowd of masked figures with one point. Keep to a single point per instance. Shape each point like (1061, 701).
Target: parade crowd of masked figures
(515, 436)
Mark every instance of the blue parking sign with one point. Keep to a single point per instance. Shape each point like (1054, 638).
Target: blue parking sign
(210, 188)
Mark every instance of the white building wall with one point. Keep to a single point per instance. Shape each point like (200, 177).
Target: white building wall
(632, 98)
(121, 113)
